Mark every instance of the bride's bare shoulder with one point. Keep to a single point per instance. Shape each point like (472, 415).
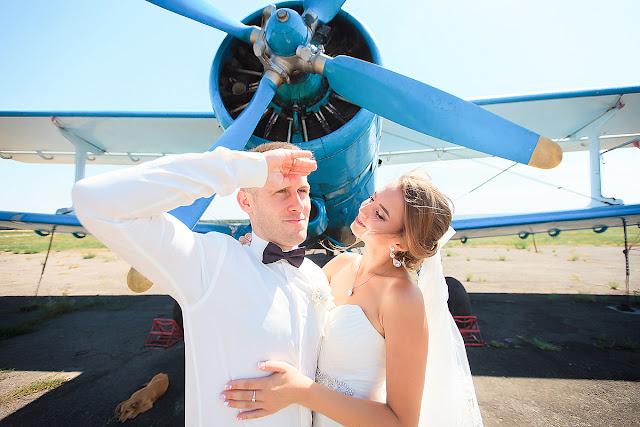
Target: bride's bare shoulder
(339, 262)
(402, 296)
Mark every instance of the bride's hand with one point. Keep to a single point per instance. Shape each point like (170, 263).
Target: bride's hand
(272, 393)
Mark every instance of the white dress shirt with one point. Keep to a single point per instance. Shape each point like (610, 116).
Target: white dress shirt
(237, 311)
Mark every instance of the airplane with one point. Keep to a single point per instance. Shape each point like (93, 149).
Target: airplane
(323, 88)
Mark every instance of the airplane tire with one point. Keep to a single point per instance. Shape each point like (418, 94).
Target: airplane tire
(459, 302)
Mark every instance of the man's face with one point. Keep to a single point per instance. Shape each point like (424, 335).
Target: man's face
(279, 215)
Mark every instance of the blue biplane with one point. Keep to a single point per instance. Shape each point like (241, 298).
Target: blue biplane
(310, 73)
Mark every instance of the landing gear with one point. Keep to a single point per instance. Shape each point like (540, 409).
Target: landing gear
(459, 302)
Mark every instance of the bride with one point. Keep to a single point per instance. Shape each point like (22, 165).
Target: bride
(391, 353)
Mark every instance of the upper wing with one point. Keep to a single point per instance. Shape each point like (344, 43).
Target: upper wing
(565, 117)
(111, 138)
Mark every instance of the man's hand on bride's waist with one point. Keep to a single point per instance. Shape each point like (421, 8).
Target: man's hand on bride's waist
(266, 395)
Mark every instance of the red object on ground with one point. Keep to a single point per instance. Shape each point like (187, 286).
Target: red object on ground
(468, 327)
(164, 333)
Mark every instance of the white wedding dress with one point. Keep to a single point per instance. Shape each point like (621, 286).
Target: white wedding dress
(352, 357)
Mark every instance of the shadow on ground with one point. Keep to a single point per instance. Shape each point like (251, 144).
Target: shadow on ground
(595, 342)
(107, 346)
(104, 342)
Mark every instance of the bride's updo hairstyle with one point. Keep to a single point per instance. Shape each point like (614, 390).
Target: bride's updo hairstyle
(427, 216)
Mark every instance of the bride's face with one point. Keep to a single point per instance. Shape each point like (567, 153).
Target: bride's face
(380, 217)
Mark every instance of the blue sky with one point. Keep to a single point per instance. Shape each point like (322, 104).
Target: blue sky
(128, 55)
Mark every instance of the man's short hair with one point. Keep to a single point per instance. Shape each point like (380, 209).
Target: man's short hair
(268, 146)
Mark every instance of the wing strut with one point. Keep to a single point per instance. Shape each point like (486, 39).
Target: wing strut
(82, 146)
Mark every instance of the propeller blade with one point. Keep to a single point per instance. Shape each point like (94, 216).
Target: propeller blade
(235, 137)
(325, 9)
(433, 112)
(205, 13)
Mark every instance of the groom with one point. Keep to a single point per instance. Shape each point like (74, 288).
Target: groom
(240, 304)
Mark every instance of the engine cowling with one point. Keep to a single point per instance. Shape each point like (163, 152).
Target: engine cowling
(310, 114)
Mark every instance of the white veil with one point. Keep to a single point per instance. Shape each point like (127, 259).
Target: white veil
(449, 398)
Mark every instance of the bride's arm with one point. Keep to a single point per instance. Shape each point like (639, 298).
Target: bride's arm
(406, 332)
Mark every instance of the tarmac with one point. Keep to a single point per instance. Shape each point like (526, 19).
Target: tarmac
(591, 378)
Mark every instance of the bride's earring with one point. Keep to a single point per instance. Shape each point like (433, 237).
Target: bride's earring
(396, 263)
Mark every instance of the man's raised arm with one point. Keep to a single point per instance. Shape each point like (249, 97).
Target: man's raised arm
(126, 210)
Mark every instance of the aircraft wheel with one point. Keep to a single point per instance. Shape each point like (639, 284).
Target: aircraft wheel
(459, 302)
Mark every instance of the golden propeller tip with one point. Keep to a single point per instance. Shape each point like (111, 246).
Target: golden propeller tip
(137, 282)
(547, 154)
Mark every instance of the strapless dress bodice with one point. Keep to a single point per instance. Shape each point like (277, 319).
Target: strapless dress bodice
(352, 358)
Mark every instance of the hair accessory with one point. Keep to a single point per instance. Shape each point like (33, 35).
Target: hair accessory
(396, 263)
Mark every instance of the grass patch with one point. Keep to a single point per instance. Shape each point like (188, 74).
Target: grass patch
(468, 277)
(539, 344)
(630, 344)
(585, 298)
(32, 306)
(21, 328)
(49, 310)
(497, 344)
(53, 309)
(552, 298)
(614, 285)
(604, 343)
(37, 386)
(575, 277)
(500, 258)
(89, 256)
(543, 345)
(573, 258)
(113, 420)
(613, 236)
(520, 244)
(30, 243)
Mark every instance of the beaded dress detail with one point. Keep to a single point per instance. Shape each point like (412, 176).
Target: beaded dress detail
(352, 358)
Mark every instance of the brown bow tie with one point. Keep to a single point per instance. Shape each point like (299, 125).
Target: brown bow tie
(273, 253)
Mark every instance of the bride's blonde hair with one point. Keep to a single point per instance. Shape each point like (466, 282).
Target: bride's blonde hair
(427, 216)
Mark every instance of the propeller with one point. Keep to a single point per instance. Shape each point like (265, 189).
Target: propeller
(235, 138)
(433, 112)
(203, 12)
(325, 10)
(391, 95)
